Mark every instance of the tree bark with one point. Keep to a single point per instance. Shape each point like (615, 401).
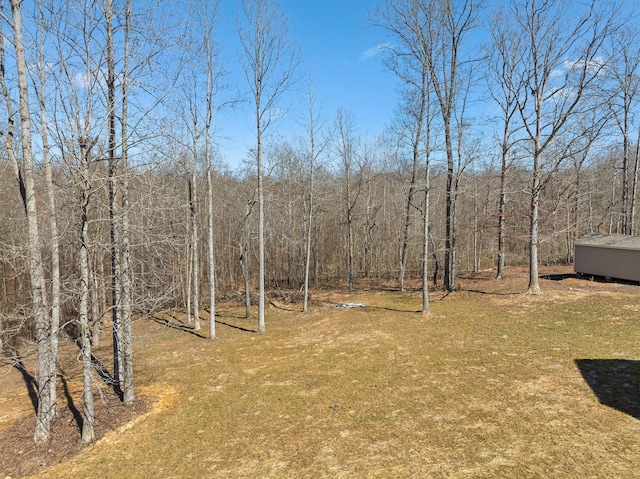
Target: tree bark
(243, 246)
(88, 434)
(269, 64)
(128, 394)
(36, 273)
(425, 238)
(311, 130)
(195, 250)
(115, 218)
(210, 52)
(51, 204)
(404, 250)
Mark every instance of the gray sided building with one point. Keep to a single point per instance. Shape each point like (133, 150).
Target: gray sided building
(614, 256)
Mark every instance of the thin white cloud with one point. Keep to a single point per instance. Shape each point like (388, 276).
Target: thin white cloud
(594, 66)
(81, 80)
(372, 52)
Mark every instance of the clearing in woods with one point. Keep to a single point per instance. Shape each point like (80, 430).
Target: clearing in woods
(493, 383)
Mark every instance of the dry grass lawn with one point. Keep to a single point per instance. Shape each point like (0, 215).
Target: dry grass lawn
(492, 384)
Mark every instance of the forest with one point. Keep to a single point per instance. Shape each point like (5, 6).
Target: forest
(118, 203)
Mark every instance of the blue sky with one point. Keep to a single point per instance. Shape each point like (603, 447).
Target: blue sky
(335, 41)
(338, 48)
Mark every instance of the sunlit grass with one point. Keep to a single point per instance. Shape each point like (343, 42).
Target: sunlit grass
(485, 386)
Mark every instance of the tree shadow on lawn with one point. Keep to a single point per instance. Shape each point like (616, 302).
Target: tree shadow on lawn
(29, 381)
(177, 324)
(180, 326)
(70, 404)
(491, 293)
(615, 382)
(395, 310)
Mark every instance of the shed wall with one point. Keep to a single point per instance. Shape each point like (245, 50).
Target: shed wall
(611, 262)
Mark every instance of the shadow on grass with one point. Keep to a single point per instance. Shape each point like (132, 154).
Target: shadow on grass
(180, 326)
(282, 308)
(234, 326)
(615, 382)
(70, 404)
(29, 381)
(490, 293)
(106, 376)
(395, 310)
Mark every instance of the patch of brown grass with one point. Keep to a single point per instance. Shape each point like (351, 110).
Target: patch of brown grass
(488, 385)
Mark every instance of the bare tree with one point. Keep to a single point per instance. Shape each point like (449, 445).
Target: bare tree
(210, 51)
(41, 90)
(434, 33)
(114, 205)
(88, 433)
(24, 173)
(193, 223)
(503, 89)
(128, 394)
(312, 124)
(207, 51)
(76, 134)
(243, 246)
(426, 235)
(269, 64)
(556, 63)
(410, 59)
(346, 148)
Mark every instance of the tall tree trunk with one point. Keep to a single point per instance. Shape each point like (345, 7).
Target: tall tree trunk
(115, 218)
(268, 65)
(88, 434)
(36, 272)
(128, 394)
(502, 206)
(425, 238)
(210, 214)
(189, 254)
(625, 175)
(53, 223)
(195, 250)
(310, 210)
(425, 119)
(476, 253)
(309, 232)
(349, 233)
(244, 258)
(534, 285)
(261, 325)
(95, 308)
(210, 247)
(449, 259)
(404, 250)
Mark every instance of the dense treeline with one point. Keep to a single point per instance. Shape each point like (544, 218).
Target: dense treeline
(160, 232)
(117, 202)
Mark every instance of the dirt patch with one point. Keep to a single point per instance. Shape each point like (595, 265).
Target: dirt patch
(20, 456)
